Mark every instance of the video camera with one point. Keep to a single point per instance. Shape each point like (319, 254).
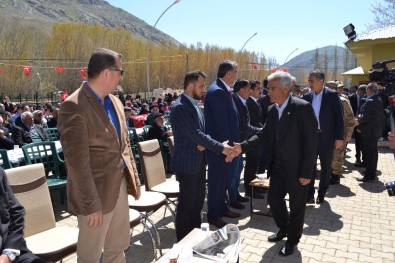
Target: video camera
(381, 73)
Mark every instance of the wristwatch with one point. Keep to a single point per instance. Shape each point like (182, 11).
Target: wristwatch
(11, 255)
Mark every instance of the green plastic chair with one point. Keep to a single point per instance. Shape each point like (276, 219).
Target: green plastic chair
(52, 134)
(45, 153)
(145, 131)
(4, 160)
(134, 139)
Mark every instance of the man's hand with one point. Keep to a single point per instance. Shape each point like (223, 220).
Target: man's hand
(95, 219)
(228, 150)
(391, 139)
(304, 181)
(338, 144)
(4, 259)
(200, 148)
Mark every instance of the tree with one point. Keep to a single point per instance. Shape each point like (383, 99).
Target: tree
(384, 13)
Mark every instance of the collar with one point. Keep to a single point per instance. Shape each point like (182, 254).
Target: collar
(242, 100)
(227, 87)
(284, 104)
(256, 100)
(107, 100)
(192, 100)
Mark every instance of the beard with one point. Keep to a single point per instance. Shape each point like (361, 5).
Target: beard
(196, 96)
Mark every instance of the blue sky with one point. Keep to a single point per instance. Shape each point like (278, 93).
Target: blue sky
(282, 26)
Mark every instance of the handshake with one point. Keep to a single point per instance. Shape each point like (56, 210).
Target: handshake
(229, 151)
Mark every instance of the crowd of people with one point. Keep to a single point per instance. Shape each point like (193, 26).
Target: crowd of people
(280, 127)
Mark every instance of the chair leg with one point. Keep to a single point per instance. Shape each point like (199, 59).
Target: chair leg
(146, 218)
(152, 238)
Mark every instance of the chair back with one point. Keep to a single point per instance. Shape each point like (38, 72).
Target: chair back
(4, 160)
(31, 190)
(170, 141)
(52, 134)
(145, 131)
(151, 163)
(45, 153)
(133, 137)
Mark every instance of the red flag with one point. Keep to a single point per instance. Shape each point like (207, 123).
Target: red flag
(59, 69)
(64, 95)
(82, 73)
(255, 66)
(1, 70)
(279, 69)
(26, 70)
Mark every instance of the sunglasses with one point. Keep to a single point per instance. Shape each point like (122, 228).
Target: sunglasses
(119, 70)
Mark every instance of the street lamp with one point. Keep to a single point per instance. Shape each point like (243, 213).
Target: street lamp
(247, 41)
(39, 86)
(290, 55)
(147, 60)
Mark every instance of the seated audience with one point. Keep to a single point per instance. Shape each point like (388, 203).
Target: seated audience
(53, 122)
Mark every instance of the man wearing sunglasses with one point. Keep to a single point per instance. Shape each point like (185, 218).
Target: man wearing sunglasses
(97, 153)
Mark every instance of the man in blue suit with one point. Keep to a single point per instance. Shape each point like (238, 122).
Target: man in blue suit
(222, 124)
(189, 161)
(329, 113)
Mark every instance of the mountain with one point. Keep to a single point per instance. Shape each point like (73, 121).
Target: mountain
(44, 13)
(339, 60)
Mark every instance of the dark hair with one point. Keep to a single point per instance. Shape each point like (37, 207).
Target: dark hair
(239, 84)
(225, 67)
(318, 74)
(254, 83)
(265, 82)
(100, 60)
(193, 76)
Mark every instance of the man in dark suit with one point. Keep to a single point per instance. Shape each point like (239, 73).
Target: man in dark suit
(357, 100)
(222, 124)
(291, 134)
(189, 158)
(12, 244)
(369, 120)
(329, 113)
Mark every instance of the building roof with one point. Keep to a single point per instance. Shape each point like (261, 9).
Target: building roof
(382, 33)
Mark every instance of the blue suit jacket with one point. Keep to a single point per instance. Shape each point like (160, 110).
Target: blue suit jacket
(220, 113)
(188, 132)
(331, 115)
(246, 129)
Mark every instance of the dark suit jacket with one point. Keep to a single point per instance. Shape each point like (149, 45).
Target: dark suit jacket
(220, 114)
(94, 153)
(11, 215)
(246, 129)
(189, 132)
(331, 115)
(256, 113)
(296, 132)
(265, 103)
(156, 132)
(370, 118)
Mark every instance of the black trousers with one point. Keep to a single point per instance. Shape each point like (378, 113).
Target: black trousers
(253, 159)
(280, 185)
(358, 148)
(325, 151)
(190, 202)
(370, 153)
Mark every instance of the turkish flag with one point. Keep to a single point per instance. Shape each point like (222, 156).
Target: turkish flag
(59, 69)
(279, 69)
(64, 95)
(255, 66)
(26, 70)
(1, 70)
(82, 72)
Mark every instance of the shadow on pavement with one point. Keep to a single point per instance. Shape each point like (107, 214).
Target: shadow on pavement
(339, 190)
(271, 255)
(373, 186)
(321, 218)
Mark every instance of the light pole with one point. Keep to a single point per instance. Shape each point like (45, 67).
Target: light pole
(247, 41)
(290, 55)
(147, 60)
(39, 86)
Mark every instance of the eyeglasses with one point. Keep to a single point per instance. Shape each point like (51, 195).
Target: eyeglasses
(120, 70)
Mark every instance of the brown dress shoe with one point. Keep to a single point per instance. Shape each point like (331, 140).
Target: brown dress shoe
(231, 214)
(218, 222)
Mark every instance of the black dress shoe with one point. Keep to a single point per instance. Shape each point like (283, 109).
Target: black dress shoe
(256, 195)
(218, 222)
(360, 165)
(366, 179)
(242, 199)
(232, 214)
(310, 201)
(287, 249)
(335, 180)
(237, 205)
(280, 235)
(320, 200)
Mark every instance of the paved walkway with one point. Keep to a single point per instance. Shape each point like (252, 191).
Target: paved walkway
(355, 224)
